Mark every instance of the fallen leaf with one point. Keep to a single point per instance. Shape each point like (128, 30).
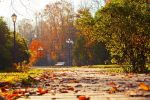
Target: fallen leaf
(82, 97)
(113, 90)
(111, 84)
(144, 86)
(78, 86)
(41, 91)
(63, 91)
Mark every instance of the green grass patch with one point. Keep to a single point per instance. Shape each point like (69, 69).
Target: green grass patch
(98, 66)
(113, 70)
(19, 76)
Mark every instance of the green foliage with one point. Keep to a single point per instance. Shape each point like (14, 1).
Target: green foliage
(99, 53)
(22, 52)
(80, 52)
(92, 54)
(5, 45)
(84, 23)
(124, 27)
(7, 49)
(87, 51)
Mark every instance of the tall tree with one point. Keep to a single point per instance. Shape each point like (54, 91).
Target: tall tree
(7, 50)
(80, 56)
(124, 26)
(26, 29)
(5, 45)
(93, 52)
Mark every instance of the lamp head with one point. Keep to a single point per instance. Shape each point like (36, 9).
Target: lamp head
(14, 17)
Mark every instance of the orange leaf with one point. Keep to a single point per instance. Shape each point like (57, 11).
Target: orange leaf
(113, 90)
(42, 91)
(82, 97)
(144, 86)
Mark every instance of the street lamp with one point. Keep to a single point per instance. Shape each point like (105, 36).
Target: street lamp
(14, 18)
(40, 50)
(148, 4)
(69, 42)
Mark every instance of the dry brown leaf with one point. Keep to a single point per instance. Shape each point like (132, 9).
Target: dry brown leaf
(70, 88)
(63, 91)
(111, 84)
(113, 90)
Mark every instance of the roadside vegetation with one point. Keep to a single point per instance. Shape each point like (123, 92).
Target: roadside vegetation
(9, 61)
(14, 77)
(123, 27)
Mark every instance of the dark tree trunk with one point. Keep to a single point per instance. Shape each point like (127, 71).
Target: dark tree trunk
(142, 62)
(139, 63)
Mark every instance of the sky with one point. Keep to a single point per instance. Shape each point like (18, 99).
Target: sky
(25, 9)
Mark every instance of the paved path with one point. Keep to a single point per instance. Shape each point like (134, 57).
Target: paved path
(94, 83)
(69, 97)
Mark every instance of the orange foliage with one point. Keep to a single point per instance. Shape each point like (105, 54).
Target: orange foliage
(36, 48)
(53, 55)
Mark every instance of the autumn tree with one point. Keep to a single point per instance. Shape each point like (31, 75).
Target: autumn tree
(124, 26)
(26, 29)
(56, 26)
(37, 51)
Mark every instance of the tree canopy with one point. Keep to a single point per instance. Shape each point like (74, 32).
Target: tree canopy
(87, 51)
(124, 27)
(5, 44)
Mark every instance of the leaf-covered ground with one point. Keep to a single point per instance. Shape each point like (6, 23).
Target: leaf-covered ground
(77, 83)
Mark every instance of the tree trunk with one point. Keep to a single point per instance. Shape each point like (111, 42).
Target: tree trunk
(139, 63)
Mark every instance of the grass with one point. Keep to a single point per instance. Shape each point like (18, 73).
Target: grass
(110, 68)
(104, 66)
(18, 76)
(101, 66)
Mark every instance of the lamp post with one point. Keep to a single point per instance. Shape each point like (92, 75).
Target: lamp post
(40, 50)
(69, 42)
(14, 18)
(148, 4)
